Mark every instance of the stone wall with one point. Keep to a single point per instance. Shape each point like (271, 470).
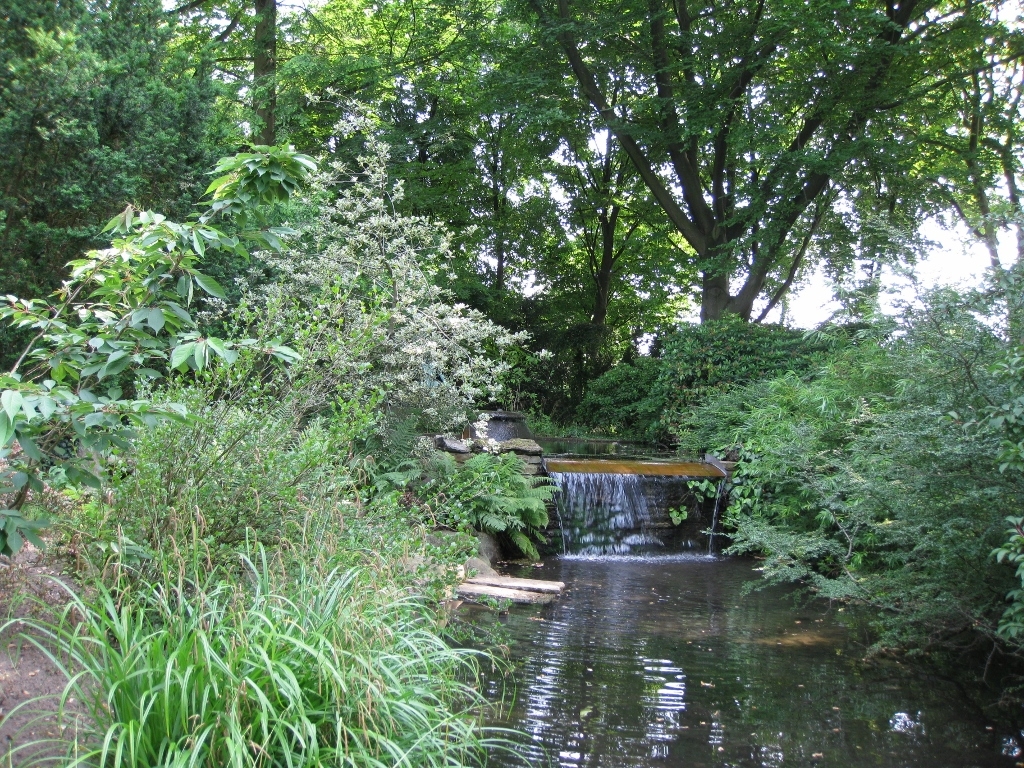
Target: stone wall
(527, 450)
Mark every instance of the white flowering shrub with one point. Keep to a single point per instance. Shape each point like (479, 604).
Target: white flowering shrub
(357, 296)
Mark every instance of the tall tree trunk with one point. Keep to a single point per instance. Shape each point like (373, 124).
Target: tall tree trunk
(499, 258)
(603, 276)
(714, 298)
(265, 69)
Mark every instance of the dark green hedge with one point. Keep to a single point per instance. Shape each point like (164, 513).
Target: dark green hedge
(642, 398)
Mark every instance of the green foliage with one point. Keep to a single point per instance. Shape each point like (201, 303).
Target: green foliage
(305, 666)
(121, 318)
(491, 494)
(363, 269)
(1011, 624)
(649, 397)
(15, 530)
(97, 110)
(624, 401)
(701, 360)
(776, 134)
(1004, 417)
(857, 483)
(232, 474)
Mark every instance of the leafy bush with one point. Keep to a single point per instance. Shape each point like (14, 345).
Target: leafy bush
(98, 108)
(699, 361)
(858, 482)
(232, 475)
(122, 318)
(306, 667)
(647, 397)
(624, 401)
(368, 274)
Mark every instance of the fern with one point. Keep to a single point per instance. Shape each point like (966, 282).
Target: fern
(491, 494)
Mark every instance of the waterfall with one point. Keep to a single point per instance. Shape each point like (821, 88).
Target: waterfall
(604, 513)
(618, 506)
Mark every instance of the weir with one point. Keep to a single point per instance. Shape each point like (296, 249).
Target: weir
(618, 506)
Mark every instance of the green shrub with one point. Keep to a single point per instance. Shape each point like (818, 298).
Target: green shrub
(858, 483)
(624, 401)
(647, 397)
(700, 361)
(228, 476)
(300, 667)
(491, 494)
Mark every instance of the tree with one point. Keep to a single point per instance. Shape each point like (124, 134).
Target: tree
(976, 163)
(745, 119)
(264, 70)
(122, 317)
(96, 110)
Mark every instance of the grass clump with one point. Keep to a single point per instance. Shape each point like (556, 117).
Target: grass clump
(304, 666)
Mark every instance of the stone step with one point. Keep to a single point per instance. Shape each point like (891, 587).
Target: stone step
(530, 585)
(470, 590)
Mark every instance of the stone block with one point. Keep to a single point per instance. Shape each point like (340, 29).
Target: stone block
(450, 444)
(520, 446)
(477, 567)
(487, 547)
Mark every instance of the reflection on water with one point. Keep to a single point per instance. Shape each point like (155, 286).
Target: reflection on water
(650, 660)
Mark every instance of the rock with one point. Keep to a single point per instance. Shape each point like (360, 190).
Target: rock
(411, 563)
(487, 548)
(520, 446)
(450, 444)
(478, 567)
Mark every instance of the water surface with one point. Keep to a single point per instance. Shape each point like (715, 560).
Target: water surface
(662, 661)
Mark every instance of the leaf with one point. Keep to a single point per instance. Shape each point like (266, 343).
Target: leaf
(184, 288)
(181, 353)
(11, 400)
(218, 183)
(80, 476)
(209, 285)
(30, 448)
(156, 319)
(198, 244)
(30, 536)
(6, 430)
(14, 541)
(220, 348)
(286, 354)
(180, 312)
(115, 366)
(201, 355)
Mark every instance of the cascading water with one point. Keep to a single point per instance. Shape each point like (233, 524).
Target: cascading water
(616, 507)
(714, 514)
(603, 514)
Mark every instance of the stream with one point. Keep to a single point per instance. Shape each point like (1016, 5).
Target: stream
(664, 661)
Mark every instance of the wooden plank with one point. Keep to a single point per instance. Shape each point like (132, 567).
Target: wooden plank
(530, 585)
(501, 593)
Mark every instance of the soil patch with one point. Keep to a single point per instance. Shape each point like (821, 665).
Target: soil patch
(30, 684)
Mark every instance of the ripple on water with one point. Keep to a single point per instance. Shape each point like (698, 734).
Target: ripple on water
(662, 660)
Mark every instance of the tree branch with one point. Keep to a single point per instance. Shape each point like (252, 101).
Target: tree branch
(588, 85)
